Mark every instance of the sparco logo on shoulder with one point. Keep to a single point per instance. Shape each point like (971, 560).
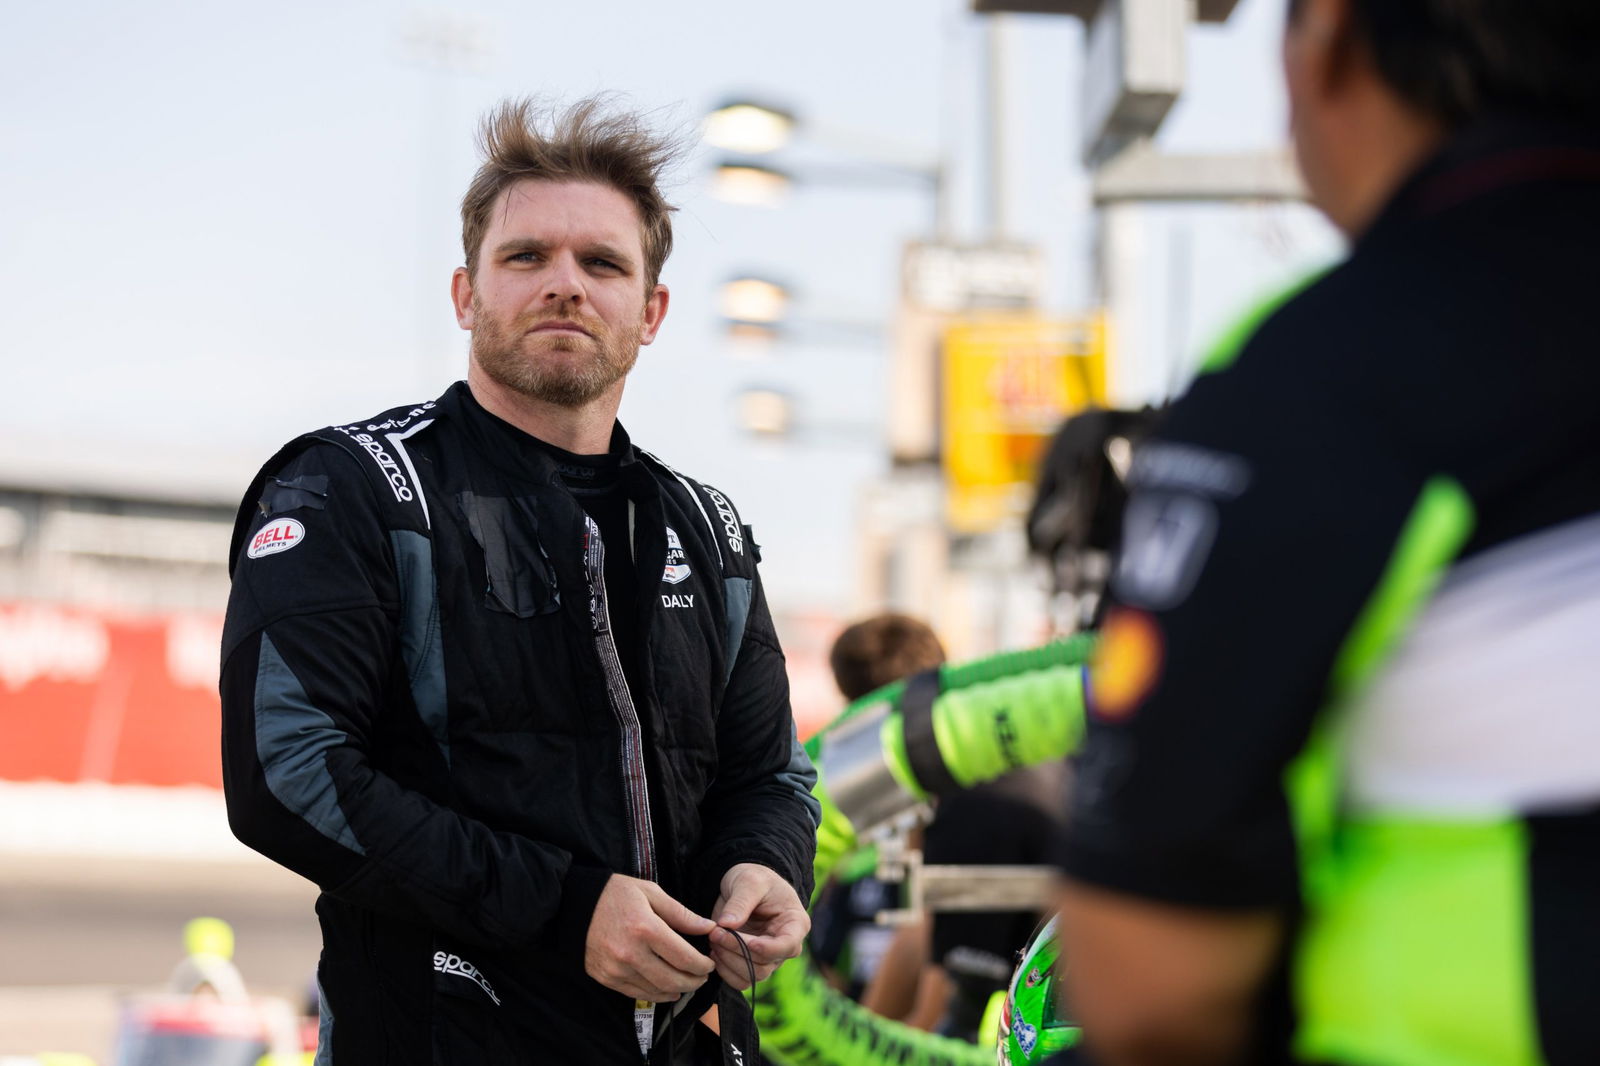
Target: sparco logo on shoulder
(385, 461)
(730, 521)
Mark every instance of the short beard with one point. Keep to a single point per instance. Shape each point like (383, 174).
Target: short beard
(501, 353)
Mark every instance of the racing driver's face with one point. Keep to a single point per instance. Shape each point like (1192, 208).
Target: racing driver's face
(557, 305)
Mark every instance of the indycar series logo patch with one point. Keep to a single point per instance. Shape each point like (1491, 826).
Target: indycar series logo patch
(677, 562)
(276, 537)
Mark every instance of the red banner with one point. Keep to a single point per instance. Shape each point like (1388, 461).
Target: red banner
(91, 695)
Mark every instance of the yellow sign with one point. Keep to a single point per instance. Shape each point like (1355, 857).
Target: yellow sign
(1008, 383)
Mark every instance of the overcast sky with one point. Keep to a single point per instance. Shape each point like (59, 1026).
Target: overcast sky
(225, 225)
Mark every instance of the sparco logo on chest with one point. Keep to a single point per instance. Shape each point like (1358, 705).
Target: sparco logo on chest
(456, 966)
(730, 521)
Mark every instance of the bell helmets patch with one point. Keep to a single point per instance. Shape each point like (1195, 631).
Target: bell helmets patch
(276, 537)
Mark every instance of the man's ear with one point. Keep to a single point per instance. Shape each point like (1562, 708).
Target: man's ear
(655, 309)
(461, 296)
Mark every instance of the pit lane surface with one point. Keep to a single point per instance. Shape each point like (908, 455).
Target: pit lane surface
(77, 934)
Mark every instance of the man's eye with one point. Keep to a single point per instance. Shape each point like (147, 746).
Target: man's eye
(604, 264)
(522, 257)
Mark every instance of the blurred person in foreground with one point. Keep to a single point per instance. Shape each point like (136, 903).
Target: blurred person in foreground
(939, 973)
(505, 686)
(1339, 800)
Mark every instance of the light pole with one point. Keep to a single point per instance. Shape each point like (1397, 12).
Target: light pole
(446, 48)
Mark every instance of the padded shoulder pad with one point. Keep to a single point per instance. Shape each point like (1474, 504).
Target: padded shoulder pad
(740, 551)
(728, 532)
(378, 446)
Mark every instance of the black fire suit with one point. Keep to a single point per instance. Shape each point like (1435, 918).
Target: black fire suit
(424, 712)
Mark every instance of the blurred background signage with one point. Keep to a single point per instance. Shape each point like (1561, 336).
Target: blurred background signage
(97, 694)
(940, 281)
(1008, 382)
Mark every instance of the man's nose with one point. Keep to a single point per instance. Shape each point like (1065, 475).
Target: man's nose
(563, 281)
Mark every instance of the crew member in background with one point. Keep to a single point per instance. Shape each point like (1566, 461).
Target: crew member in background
(846, 941)
(1338, 800)
(939, 973)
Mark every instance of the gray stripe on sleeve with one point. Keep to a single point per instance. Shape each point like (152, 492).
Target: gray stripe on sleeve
(421, 639)
(798, 773)
(737, 591)
(324, 1029)
(801, 776)
(292, 741)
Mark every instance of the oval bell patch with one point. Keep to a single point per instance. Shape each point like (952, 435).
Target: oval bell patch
(278, 535)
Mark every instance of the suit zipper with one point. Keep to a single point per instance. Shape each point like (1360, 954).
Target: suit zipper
(636, 790)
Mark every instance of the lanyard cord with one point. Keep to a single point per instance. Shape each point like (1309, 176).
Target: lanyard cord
(744, 1053)
(747, 1052)
(744, 949)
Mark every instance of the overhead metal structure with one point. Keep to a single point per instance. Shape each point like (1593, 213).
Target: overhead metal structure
(1205, 10)
(1135, 60)
(1140, 174)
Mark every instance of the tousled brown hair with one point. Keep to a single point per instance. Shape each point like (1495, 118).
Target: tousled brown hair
(587, 141)
(881, 649)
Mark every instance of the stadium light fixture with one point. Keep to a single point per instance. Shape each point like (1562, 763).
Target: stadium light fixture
(754, 300)
(749, 127)
(766, 412)
(751, 184)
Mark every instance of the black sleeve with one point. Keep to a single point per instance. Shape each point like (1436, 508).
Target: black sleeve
(1261, 519)
(760, 808)
(313, 691)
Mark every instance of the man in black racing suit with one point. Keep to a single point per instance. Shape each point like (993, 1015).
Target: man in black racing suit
(507, 688)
